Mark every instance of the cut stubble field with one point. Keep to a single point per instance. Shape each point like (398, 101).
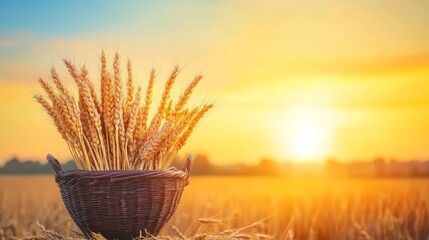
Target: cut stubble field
(291, 208)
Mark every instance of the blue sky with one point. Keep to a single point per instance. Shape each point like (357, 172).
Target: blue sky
(65, 18)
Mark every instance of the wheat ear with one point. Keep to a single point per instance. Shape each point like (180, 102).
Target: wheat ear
(144, 112)
(190, 129)
(154, 125)
(186, 94)
(130, 93)
(132, 124)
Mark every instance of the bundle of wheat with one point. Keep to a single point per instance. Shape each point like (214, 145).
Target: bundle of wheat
(113, 131)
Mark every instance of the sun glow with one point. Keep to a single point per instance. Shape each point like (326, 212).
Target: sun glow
(308, 142)
(307, 137)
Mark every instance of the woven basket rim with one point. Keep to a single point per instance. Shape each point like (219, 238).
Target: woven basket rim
(172, 172)
(119, 174)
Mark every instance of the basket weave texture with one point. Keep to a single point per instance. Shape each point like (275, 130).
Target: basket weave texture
(121, 204)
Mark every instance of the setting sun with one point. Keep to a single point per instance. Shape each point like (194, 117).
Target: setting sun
(307, 137)
(308, 142)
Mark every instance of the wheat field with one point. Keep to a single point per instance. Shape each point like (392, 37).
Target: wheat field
(289, 208)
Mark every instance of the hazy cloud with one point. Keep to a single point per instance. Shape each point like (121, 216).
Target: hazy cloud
(14, 39)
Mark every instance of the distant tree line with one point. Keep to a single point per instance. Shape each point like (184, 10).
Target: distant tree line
(15, 166)
(201, 166)
(379, 167)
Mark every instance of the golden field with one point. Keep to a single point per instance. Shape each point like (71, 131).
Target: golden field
(293, 208)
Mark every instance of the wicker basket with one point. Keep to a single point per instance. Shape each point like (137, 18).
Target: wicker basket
(121, 204)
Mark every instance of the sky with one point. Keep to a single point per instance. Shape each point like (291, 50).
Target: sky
(292, 80)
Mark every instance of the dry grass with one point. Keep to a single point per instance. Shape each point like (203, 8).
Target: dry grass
(113, 131)
(390, 209)
(234, 234)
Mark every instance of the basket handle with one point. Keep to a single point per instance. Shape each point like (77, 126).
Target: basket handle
(55, 165)
(188, 164)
